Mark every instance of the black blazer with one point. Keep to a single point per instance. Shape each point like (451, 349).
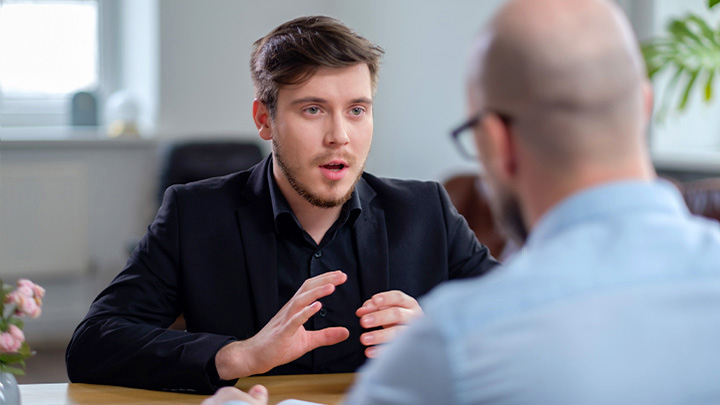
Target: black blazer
(210, 253)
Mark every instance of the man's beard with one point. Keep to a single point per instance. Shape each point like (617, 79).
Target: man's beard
(291, 174)
(506, 208)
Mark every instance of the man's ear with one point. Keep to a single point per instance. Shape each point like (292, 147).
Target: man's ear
(261, 116)
(501, 146)
(648, 102)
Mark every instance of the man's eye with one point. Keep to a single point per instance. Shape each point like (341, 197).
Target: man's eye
(312, 110)
(357, 111)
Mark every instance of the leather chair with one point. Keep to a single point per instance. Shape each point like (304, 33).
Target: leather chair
(469, 195)
(703, 197)
(186, 161)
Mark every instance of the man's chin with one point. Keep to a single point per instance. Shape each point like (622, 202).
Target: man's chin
(328, 200)
(331, 196)
(322, 192)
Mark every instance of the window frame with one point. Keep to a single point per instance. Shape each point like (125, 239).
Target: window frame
(51, 115)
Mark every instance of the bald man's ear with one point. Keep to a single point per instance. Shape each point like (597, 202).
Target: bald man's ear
(648, 103)
(502, 149)
(261, 116)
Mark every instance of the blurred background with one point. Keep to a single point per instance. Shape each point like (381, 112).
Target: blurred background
(92, 93)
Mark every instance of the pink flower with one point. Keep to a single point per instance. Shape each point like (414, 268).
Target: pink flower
(8, 343)
(27, 298)
(29, 307)
(25, 291)
(36, 289)
(17, 333)
(13, 298)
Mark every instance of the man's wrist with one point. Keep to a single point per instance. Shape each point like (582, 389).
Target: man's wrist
(236, 360)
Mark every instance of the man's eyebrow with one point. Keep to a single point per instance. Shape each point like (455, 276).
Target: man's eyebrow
(318, 100)
(361, 100)
(309, 100)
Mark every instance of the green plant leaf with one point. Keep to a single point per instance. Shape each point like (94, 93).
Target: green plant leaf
(707, 32)
(654, 60)
(679, 30)
(713, 3)
(17, 322)
(668, 95)
(10, 369)
(688, 89)
(12, 358)
(690, 50)
(709, 85)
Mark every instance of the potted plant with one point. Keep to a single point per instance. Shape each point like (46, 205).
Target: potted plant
(17, 302)
(691, 51)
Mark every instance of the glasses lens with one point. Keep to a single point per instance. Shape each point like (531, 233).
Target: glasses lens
(466, 142)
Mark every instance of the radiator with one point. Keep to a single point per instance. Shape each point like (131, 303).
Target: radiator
(43, 220)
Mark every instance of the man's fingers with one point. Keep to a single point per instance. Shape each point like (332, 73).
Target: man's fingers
(300, 301)
(380, 336)
(394, 298)
(229, 394)
(327, 336)
(332, 277)
(388, 299)
(372, 352)
(259, 392)
(303, 315)
(387, 317)
(366, 308)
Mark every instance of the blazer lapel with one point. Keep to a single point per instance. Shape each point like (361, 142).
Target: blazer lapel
(372, 242)
(259, 244)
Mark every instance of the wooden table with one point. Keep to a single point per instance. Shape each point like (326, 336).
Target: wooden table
(322, 388)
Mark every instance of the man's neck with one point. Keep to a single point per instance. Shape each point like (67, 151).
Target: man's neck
(315, 220)
(549, 192)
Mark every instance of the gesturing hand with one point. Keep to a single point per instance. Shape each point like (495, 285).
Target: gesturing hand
(258, 395)
(284, 338)
(391, 310)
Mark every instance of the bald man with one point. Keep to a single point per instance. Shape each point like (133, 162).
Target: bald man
(616, 295)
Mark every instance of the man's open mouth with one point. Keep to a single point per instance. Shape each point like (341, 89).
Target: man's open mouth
(336, 167)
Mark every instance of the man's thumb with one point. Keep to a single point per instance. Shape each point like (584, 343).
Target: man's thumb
(258, 392)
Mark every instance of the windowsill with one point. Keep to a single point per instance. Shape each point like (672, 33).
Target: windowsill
(688, 160)
(41, 137)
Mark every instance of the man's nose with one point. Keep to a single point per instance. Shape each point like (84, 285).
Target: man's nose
(336, 134)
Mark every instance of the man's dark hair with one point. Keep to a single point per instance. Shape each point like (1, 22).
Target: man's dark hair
(294, 51)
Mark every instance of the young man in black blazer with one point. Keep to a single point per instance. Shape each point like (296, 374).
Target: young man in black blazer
(302, 264)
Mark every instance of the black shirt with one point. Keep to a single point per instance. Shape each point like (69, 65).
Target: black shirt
(299, 257)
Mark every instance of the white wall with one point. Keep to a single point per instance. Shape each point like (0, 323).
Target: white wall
(205, 87)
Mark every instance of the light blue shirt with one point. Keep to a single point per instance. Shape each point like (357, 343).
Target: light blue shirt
(615, 299)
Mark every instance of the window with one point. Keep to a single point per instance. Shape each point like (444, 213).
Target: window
(48, 52)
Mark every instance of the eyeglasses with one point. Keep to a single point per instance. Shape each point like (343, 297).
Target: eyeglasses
(463, 137)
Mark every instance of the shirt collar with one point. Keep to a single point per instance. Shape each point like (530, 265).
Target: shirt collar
(350, 211)
(606, 200)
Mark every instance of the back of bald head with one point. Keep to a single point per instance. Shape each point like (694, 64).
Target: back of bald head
(571, 74)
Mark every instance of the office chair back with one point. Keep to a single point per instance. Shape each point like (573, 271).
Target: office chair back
(188, 161)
